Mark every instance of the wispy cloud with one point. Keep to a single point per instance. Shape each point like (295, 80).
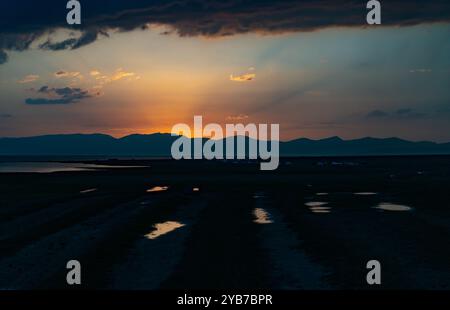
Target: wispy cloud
(408, 113)
(420, 71)
(243, 78)
(239, 117)
(68, 74)
(400, 114)
(28, 79)
(377, 114)
(119, 74)
(78, 88)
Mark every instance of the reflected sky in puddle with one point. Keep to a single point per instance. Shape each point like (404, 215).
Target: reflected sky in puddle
(387, 206)
(259, 195)
(365, 194)
(320, 209)
(87, 191)
(158, 189)
(313, 204)
(164, 228)
(262, 216)
(50, 167)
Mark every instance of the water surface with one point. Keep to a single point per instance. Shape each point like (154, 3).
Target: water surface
(50, 167)
(157, 189)
(387, 206)
(262, 216)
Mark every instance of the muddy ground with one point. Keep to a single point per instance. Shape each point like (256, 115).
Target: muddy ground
(312, 224)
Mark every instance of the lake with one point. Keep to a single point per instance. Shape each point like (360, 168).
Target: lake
(50, 167)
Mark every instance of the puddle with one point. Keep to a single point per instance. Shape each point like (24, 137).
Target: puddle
(313, 204)
(259, 195)
(262, 216)
(365, 194)
(87, 191)
(320, 209)
(50, 167)
(386, 206)
(163, 228)
(157, 189)
(321, 194)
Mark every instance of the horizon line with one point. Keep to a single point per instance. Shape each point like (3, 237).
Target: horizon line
(166, 133)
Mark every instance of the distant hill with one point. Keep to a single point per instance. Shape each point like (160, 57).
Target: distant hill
(160, 145)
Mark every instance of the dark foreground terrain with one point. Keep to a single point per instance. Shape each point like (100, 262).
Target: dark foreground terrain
(312, 224)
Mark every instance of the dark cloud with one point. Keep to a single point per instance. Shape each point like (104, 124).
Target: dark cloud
(22, 22)
(65, 95)
(71, 43)
(408, 114)
(58, 46)
(405, 113)
(377, 114)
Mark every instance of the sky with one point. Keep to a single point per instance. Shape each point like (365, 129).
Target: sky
(315, 68)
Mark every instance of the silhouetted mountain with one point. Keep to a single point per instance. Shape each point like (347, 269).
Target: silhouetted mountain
(160, 145)
(364, 146)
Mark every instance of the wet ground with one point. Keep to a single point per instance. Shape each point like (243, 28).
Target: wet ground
(313, 224)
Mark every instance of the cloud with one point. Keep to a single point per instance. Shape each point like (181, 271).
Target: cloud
(243, 78)
(56, 96)
(65, 74)
(239, 117)
(28, 79)
(377, 114)
(23, 22)
(420, 71)
(85, 38)
(400, 114)
(120, 74)
(408, 113)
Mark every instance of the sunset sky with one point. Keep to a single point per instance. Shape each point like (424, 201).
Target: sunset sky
(143, 66)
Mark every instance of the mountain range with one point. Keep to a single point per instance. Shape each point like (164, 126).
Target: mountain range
(160, 145)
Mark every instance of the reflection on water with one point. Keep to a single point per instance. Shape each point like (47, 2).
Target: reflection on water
(259, 195)
(321, 194)
(50, 167)
(87, 191)
(387, 206)
(320, 209)
(164, 228)
(365, 194)
(158, 189)
(262, 216)
(315, 204)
